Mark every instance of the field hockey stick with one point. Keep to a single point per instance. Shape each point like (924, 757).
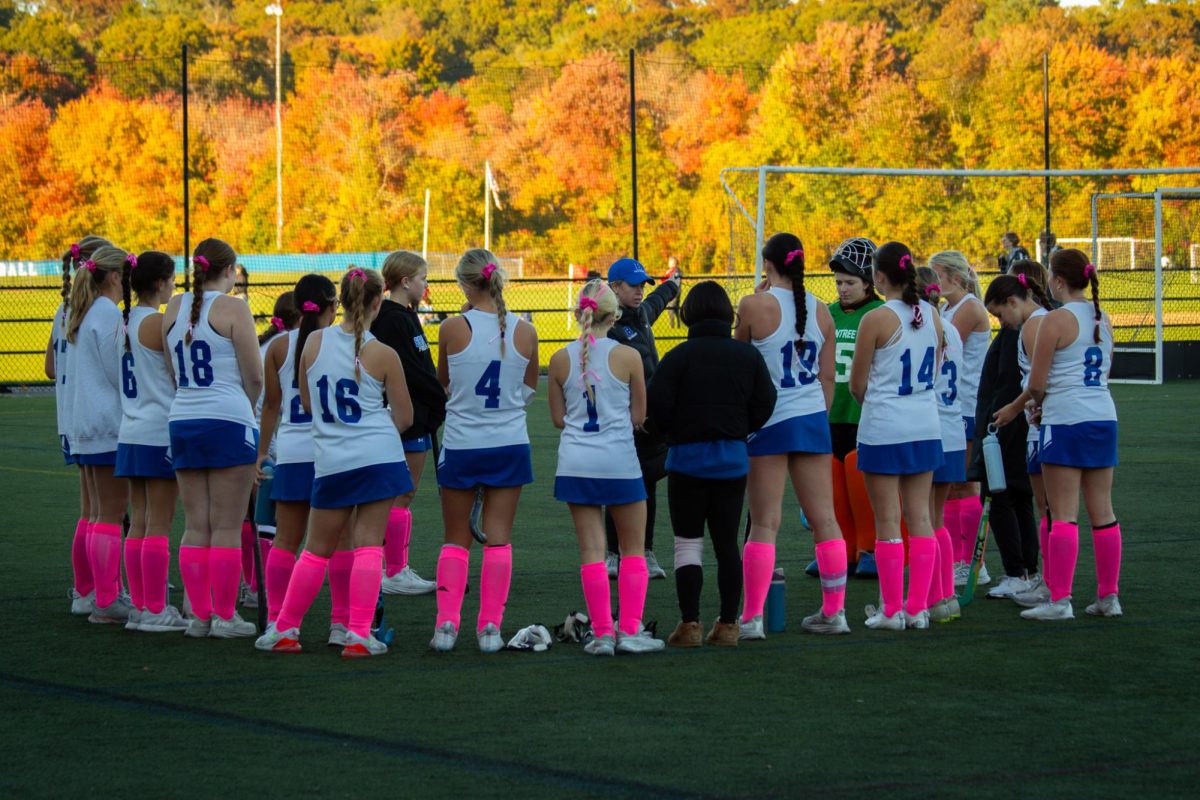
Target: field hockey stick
(476, 516)
(977, 556)
(259, 576)
(380, 629)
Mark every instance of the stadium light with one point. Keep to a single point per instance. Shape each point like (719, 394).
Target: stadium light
(276, 10)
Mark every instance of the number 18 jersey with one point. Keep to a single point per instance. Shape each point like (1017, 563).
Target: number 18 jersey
(208, 379)
(901, 404)
(294, 436)
(486, 407)
(1077, 387)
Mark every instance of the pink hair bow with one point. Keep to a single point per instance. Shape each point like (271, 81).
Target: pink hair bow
(131, 260)
(905, 261)
(792, 256)
(588, 303)
(75, 252)
(201, 262)
(1024, 281)
(308, 307)
(357, 273)
(277, 323)
(1089, 271)
(90, 266)
(931, 288)
(488, 271)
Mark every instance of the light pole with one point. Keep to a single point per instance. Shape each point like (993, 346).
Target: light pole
(276, 10)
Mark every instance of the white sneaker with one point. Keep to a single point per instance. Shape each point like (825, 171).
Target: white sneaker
(277, 641)
(490, 640)
(247, 598)
(612, 562)
(640, 642)
(1037, 593)
(752, 629)
(407, 582)
(133, 623)
(361, 647)
(233, 628)
(919, 621)
(1050, 611)
(338, 635)
(82, 605)
(877, 620)
(653, 567)
(169, 620)
(984, 578)
(115, 612)
(940, 611)
(444, 637)
(961, 572)
(198, 628)
(819, 623)
(954, 606)
(600, 646)
(1109, 606)
(1007, 587)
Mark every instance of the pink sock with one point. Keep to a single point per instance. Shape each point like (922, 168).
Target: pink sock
(248, 555)
(972, 512)
(494, 580)
(340, 566)
(935, 580)
(1044, 539)
(597, 595)
(104, 553)
(302, 589)
(82, 568)
(452, 566)
(952, 520)
(265, 546)
(831, 562)
(156, 561)
(133, 571)
(632, 582)
(922, 550)
(197, 582)
(945, 574)
(280, 564)
(365, 579)
(1064, 550)
(889, 561)
(395, 541)
(224, 567)
(1107, 544)
(758, 562)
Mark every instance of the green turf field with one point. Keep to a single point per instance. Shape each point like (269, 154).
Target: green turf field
(990, 706)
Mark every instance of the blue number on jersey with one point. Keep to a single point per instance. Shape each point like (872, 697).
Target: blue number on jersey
(924, 372)
(593, 421)
(201, 357)
(1093, 363)
(296, 413)
(806, 373)
(128, 379)
(344, 394)
(489, 385)
(950, 369)
(62, 348)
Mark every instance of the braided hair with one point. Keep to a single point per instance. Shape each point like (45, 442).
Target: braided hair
(786, 254)
(311, 297)
(597, 306)
(360, 288)
(1078, 272)
(72, 259)
(481, 269)
(283, 317)
(1035, 281)
(141, 276)
(210, 258)
(895, 261)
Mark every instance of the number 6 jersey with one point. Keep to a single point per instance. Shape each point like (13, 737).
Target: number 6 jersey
(486, 407)
(208, 382)
(146, 390)
(901, 404)
(1077, 387)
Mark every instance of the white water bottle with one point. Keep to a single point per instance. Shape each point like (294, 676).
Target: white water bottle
(993, 462)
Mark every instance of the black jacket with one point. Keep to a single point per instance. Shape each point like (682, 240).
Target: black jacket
(709, 388)
(400, 328)
(634, 325)
(999, 385)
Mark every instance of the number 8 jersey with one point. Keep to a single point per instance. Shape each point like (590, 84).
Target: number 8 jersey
(901, 404)
(1077, 387)
(208, 381)
(486, 407)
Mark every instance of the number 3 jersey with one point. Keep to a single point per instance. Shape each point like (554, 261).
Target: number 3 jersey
(597, 437)
(486, 407)
(1077, 388)
(793, 370)
(294, 435)
(207, 378)
(146, 390)
(351, 427)
(901, 403)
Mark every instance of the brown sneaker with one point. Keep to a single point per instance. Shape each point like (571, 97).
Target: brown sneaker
(686, 634)
(724, 634)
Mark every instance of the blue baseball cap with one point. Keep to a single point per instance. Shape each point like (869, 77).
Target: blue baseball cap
(629, 271)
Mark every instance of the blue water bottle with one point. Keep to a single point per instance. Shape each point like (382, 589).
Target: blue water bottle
(993, 462)
(776, 611)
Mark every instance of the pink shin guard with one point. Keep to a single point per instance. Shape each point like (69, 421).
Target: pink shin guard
(452, 566)
(302, 589)
(225, 567)
(922, 555)
(598, 597)
(104, 554)
(340, 566)
(758, 562)
(1044, 541)
(831, 563)
(972, 512)
(80, 565)
(952, 521)
(494, 580)
(1107, 546)
(935, 580)
(156, 561)
(632, 581)
(1064, 551)
(945, 569)
(133, 572)
(197, 581)
(365, 579)
(889, 561)
(395, 540)
(248, 555)
(277, 574)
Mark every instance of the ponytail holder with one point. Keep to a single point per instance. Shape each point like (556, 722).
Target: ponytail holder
(277, 324)
(131, 260)
(931, 288)
(357, 273)
(75, 252)
(905, 261)
(1089, 271)
(488, 271)
(90, 266)
(201, 263)
(588, 303)
(1023, 280)
(308, 307)
(792, 256)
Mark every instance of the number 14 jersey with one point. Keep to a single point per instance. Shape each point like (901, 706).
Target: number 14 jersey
(901, 404)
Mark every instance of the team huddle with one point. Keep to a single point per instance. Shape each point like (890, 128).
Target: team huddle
(868, 405)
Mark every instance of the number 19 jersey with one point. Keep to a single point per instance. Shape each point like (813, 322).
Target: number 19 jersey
(900, 404)
(486, 407)
(793, 370)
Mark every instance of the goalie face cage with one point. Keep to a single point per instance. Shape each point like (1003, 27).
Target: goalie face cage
(967, 210)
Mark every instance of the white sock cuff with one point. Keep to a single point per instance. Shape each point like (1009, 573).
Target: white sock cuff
(689, 552)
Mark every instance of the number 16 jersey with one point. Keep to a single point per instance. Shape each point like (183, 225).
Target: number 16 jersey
(486, 407)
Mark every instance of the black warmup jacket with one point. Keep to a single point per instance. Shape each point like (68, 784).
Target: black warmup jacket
(634, 326)
(400, 328)
(999, 385)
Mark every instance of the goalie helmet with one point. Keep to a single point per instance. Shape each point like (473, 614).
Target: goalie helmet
(853, 257)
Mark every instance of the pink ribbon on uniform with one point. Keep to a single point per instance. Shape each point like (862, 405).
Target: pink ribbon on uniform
(488, 271)
(905, 261)
(357, 273)
(277, 324)
(792, 256)
(1024, 281)
(1089, 271)
(90, 266)
(131, 260)
(308, 307)
(588, 303)
(201, 262)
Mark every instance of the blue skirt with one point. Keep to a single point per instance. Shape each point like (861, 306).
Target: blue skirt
(1084, 445)
(108, 459)
(806, 434)
(293, 483)
(357, 487)
(144, 461)
(494, 467)
(598, 491)
(66, 450)
(969, 428)
(212, 444)
(904, 458)
(953, 468)
(420, 444)
(1033, 458)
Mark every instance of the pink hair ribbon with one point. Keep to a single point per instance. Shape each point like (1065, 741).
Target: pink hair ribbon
(201, 262)
(277, 323)
(905, 261)
(586, 303)
(931, 288)
(1024, 281)
(309, 307)
(792, 256)
(488, 271)
(1089, 271)
(357, 273)
(90, 266)
(131, 260)
(75, 252)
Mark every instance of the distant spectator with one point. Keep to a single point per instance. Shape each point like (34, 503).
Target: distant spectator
(241, 283)
(1013, 251)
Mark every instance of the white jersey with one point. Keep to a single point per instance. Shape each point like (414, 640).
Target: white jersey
(597, 438)
(974, 351)
(94, 381)
(901, 401)
(1077, 389)
(794, 373)
(207, 374)
(146, 388)
(1024, 363)
(351, 427)
(954, 437)
(486, 406)
(294, 434)
(60, 346)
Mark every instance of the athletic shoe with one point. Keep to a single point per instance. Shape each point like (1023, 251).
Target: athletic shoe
(490, 640)
(920, 620)
(724, 634)
(361, 647)
(866, 566)
(169, 620)
(134, 620)
(962, 571)
(940, 611)
(813, 570)
(198, 628)
(247, 598)
(751, 630)
(601, 646)
(1051, 611)
(444, 637)
(612, 562)
(876, 620)
(955, 609)
(407, 582)
(338, 635)
(819, 623)
(984, 578)
(82, 605)
(1105, 607)
(1037, 593)
(640, 642)
(653, 567)
(277, 641)
(1007, 587)
(233, 628)
(115, 612)
(686, 634)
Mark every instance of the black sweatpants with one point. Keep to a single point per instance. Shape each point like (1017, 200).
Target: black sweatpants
(654, 469)
(1015, 530)
(717, 503)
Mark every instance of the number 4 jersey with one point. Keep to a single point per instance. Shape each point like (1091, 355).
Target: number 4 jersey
(901, 404)
(1077, 388)
(146, 390)
(486, 407)
(207, 378)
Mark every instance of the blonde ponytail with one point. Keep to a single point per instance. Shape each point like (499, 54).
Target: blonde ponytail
(85, 286)
(597, 306)
(479, 268)
(360, 288)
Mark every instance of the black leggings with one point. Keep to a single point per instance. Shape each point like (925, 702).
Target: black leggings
(1015, 530)
(695, 502)
(654, 469)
